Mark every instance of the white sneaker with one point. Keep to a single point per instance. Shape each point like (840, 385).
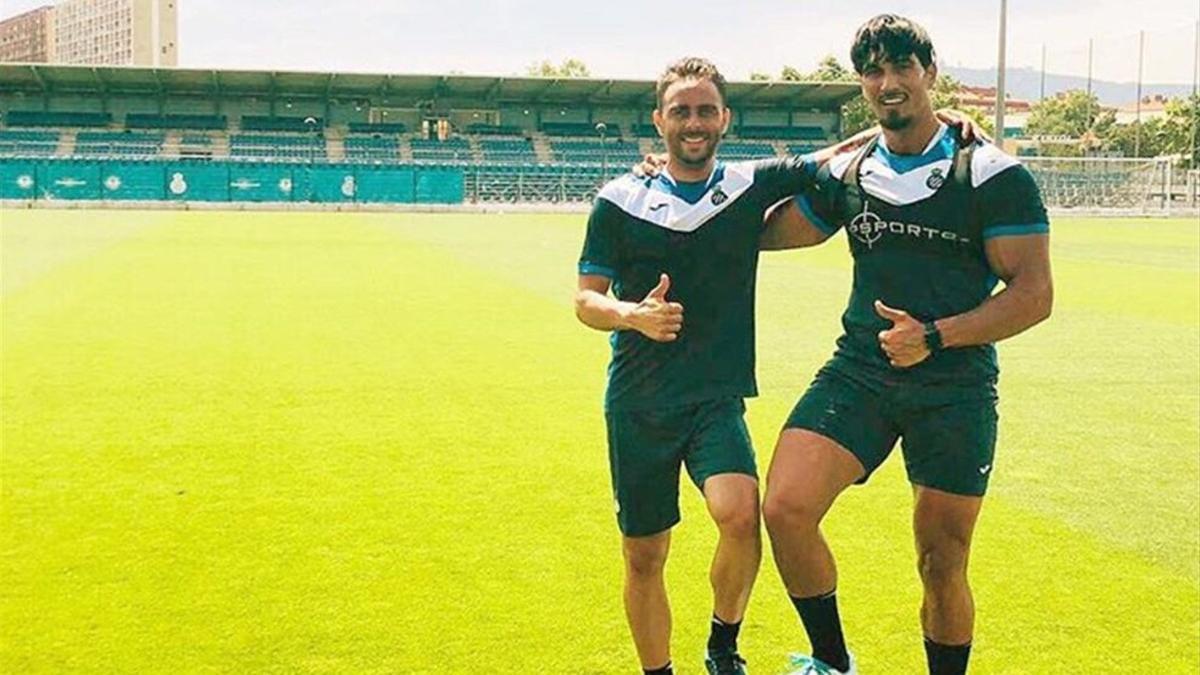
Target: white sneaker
(803, 664)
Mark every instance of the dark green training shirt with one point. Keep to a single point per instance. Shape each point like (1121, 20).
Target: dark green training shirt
(917, 237)
(705, 236)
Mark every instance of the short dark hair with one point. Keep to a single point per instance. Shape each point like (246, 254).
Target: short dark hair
(888, 37)
(690, 67)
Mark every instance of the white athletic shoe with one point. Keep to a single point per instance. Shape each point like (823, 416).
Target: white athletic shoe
(803, 664)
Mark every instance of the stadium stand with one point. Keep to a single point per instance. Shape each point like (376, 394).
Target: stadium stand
(740, 150)
(643, 130)
(374, 147)
(267, 123)
(118, 143)
(510, 150)
(378, 128)
(595, 151)
(494, 130)
(24, 118)
(145, 121)
(803, 148)
(218, 135)
(28, 143)
(798, 133)
(454, 149)
(285, 147)
(578, 129)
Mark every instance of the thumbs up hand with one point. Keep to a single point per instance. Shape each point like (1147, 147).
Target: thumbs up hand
(656, 317)
(903, 343)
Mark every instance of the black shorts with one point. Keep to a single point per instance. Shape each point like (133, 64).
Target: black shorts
(948, 430)
(647, 447)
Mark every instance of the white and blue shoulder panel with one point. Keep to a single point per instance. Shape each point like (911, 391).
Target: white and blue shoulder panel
(901, 180)
(642, 199)
(1008, 197)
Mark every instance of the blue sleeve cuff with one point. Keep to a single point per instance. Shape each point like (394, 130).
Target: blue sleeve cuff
(600, 270)
(993, 231)
(818, 221)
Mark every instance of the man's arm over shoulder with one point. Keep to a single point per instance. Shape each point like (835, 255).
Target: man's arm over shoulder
(812, 215)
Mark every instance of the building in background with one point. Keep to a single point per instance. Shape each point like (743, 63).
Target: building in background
(28, 37)
(1152, 107)
(96, 32)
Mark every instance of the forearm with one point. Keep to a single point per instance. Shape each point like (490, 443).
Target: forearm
(1015, 309)
(602, 311)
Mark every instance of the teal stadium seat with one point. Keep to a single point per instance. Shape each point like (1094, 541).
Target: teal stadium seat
(147, 121)
(31, 118)
(453, 149)
(507, 150)
(800, 133)
(585, 129)
(281, 147)
(118, 143)
(378, 128)
(265, 123)
(595, 152)
(804, 148)
(372, 148)
(494, 130)
(738, 150)
(22, 143)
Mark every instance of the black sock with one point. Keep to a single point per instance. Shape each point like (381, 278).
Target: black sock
(947, 659)
(723, 638)
(819, 614)
(665, 670)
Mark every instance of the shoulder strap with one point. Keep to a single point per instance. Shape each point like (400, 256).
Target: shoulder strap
(850, 178)
(854, 195)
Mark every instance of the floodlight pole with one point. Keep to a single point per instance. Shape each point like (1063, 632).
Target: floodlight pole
(1137, 136)
(1042, 91)
(1091, 115)
(602, 129)
(1000, 98)
(1195, 100)
(311, 123)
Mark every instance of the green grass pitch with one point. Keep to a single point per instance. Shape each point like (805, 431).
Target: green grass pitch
(319, 443)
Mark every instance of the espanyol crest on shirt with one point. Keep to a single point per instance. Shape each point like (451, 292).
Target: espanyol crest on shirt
(936, 179)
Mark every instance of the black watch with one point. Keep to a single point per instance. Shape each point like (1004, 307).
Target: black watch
(933, 337)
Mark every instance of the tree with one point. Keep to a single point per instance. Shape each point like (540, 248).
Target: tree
(947, 94)
(856, 115)
(1123, 138)
(568, 68)
(1071, 113)
(1179, 128)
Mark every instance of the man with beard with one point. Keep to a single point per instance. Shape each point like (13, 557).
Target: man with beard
(933, 224)
(683, 243)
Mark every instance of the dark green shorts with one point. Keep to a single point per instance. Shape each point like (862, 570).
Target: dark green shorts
(646, 448)
(948, 430)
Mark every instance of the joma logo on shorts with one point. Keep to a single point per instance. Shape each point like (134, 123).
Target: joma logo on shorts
(869, 228)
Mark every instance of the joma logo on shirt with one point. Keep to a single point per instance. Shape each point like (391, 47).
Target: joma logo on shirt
(869, 228)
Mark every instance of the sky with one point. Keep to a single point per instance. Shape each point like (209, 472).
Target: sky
(636, 39)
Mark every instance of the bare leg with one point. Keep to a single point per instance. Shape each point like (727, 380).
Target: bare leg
(646, 605)
(807, 474)
(732, 500)
(943, 524)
